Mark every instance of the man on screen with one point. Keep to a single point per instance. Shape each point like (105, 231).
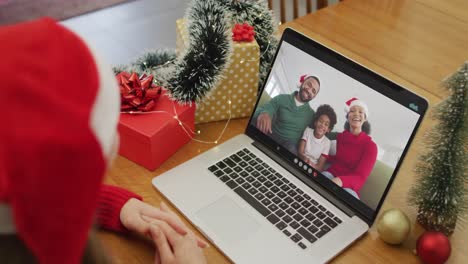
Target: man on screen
(286, 116)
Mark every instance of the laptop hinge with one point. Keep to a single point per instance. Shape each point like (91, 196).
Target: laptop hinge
(300, 175)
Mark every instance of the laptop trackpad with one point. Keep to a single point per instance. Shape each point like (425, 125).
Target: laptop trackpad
(227, 220)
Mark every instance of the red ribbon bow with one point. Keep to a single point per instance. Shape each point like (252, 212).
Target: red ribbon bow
(137, 93)
(243, 32)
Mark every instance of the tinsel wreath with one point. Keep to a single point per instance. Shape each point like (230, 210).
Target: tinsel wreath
(191, 76)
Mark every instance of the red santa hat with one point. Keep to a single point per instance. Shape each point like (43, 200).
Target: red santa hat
(61, 108)
(302, 78)
(355, 101)
(306, 76)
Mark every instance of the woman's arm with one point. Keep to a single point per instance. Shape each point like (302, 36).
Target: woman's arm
(111, 199)
(321, 163)
(301, 150)
(121, 210)
(356, 179)
(323, 157)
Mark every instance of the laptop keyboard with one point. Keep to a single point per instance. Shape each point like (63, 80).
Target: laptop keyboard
(296, 214)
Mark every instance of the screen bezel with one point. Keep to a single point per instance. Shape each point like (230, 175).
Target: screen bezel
(367, 77)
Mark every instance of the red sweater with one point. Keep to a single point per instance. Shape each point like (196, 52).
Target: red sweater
(354, 160)
(110, 201)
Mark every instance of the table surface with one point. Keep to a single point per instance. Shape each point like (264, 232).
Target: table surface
(415, 43)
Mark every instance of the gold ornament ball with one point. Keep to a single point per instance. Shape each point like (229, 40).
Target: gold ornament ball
(393, 226)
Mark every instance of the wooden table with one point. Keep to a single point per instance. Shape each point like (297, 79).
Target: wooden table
(415, 43)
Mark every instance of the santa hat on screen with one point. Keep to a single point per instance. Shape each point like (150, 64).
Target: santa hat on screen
(62, 108)
(303, 77)
(355, 101)
(306, 76)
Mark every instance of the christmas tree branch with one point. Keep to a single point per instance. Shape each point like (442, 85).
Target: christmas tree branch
(441, 192)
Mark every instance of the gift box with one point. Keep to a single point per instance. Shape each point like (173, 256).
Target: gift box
(150, 138)
(239, 84)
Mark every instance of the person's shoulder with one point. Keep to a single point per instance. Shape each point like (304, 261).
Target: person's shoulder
(308, 131)
(281, 96)
(370, 144)
(342, 135)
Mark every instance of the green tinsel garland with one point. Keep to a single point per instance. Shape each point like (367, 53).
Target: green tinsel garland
(148, 62)
(207, 55)
(191, 76)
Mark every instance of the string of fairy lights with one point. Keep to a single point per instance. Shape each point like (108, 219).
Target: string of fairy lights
(171, 69)
(186, 128)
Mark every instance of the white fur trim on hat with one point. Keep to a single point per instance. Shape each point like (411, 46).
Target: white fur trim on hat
(106, 108)
(356, 102)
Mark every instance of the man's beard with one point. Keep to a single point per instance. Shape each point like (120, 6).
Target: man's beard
(301, 96)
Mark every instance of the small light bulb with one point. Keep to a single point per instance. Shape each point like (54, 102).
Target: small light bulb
(216, 142)
(198, 132)
(229, 102)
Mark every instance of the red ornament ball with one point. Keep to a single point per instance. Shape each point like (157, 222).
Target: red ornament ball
(433, 247)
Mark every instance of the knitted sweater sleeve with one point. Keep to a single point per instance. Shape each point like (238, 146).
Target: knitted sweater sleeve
(270, 107)
(356, 179)
(110, 201)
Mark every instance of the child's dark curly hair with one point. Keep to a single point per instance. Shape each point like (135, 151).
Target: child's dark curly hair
(324, 110)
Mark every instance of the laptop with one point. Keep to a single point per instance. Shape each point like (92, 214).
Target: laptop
(258, 201)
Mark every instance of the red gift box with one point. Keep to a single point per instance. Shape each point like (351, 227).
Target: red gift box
(151, 138)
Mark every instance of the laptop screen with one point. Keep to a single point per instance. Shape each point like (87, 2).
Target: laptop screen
(339, 123)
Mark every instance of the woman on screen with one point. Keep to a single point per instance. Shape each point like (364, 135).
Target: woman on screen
(356, 153)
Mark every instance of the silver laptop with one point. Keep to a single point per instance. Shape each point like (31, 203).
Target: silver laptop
(257, 198)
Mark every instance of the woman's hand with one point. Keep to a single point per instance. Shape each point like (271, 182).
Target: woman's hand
(137, 216)
(337, 181)
(311, 164)
(174, 248)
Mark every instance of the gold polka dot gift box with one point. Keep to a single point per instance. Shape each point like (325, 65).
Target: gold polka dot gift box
(238, 86)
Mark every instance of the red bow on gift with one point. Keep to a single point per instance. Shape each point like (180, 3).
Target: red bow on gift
(137, 93)
(243, 32)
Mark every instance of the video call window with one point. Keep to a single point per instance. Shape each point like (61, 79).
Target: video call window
(320, 114)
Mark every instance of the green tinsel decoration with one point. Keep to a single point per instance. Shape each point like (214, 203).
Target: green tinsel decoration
(441, 193)
(207, 55)
(210, 24)
(191, 76)
(154, 59)
(148, 62)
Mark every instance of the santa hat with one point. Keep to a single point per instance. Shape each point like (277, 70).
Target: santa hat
(302, 78)
(305, 76)
(355, 101)
(61, 108)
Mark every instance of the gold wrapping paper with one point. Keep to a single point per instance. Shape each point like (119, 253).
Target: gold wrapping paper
(239, 84)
